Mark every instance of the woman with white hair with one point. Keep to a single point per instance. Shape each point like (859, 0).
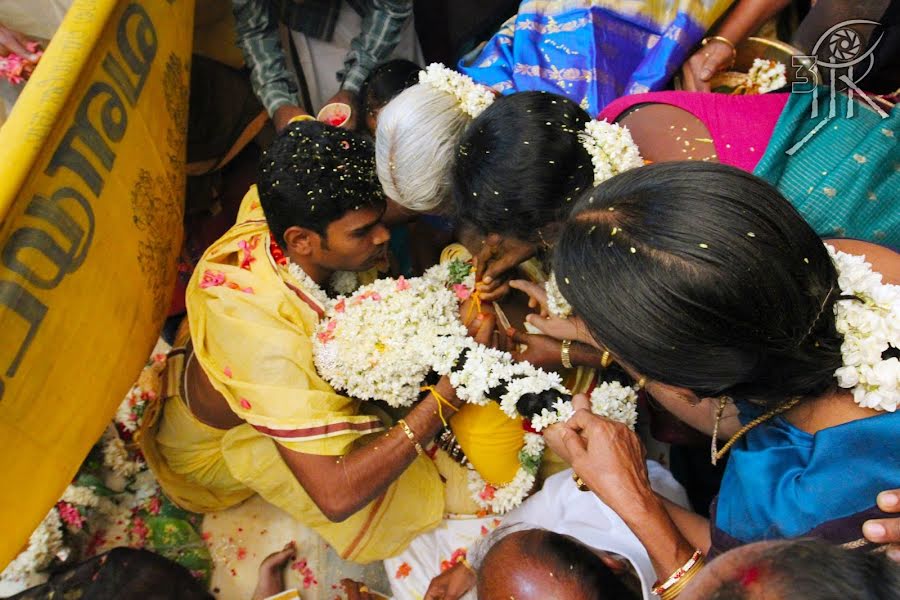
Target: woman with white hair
(417, 136)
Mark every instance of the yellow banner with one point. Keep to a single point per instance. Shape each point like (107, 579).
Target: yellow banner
(91, 200)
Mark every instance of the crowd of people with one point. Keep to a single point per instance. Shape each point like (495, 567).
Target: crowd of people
(727, 259)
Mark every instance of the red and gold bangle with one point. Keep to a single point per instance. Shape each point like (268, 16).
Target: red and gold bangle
(676, 582)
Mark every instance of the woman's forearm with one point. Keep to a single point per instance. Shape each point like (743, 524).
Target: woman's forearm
(650, 522)
(691, 525)
(748, 16)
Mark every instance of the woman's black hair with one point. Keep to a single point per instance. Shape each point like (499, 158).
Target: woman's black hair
(702, 276)
(386, 81)
(313, 174)
(520, 165)
(816, 570)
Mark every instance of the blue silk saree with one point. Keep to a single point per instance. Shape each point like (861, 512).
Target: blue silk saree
(592, 51)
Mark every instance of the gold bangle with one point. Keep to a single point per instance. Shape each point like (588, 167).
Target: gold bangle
(412, 436)
(605, 359)
(564, 355)
(299, 118)
(672, 586)
(724, 40)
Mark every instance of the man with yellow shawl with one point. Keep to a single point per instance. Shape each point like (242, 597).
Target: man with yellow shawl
(244, 411)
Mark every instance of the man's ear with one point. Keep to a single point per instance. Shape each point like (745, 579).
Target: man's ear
(301, 241)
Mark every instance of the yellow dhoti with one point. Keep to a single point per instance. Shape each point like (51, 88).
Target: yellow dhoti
(205, 469)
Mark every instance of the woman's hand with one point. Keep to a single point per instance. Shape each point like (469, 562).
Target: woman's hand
(886, 531)
(542, 351)
(707, 61)
(452, 583)
(560, 329)
(537, 295)
(607, 455)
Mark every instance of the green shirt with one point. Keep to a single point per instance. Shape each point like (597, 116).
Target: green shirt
(257, 29)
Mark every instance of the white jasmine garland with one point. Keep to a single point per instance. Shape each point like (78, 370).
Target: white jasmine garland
(115, 456)
(615, 401)
(307, 284)
(611, 148)
(344, 283)
(381, 342)
(765, 76)
(129, 411)
(43, 545)
(870, 325)
(558, 306)
(472, 97)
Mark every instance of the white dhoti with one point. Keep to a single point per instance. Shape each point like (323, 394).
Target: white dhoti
(321, 60)
(559, 507)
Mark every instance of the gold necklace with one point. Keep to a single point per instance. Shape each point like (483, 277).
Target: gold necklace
(715, 453)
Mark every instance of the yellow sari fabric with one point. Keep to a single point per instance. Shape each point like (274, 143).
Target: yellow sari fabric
(251, 325)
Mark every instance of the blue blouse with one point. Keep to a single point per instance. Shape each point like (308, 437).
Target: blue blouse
(781, 482)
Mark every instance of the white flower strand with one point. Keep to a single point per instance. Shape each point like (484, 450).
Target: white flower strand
(472, 97)
(616, 402)
(558, 306)
(611, 148)
(43, 545)
(344, 283)
(307, 284)
(870, 326)
(766, 76)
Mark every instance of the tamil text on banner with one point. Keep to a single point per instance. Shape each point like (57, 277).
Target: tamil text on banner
(91, 201)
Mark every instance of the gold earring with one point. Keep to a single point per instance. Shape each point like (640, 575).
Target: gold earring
(605, 359)
(640, 383)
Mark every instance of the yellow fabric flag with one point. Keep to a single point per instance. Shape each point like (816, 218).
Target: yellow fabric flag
(91, 198)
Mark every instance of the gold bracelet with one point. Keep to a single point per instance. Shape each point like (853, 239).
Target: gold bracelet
(724, 40)
(299, 118)
(672, 586)
(605, 359)
(582, 486)
(564, 355)
(412, 436)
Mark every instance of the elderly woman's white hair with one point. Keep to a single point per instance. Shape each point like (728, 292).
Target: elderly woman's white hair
(415, 144)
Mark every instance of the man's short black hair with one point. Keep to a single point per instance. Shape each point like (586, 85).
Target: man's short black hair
(313, 174)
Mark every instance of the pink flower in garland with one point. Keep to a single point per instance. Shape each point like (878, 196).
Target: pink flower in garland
(461, 291)
(70, 515)
(402, 284)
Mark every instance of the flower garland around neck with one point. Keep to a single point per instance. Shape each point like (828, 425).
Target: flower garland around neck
(383, 341)
(870, 324)
(611, 148)
(472, 98)
(341, 282)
